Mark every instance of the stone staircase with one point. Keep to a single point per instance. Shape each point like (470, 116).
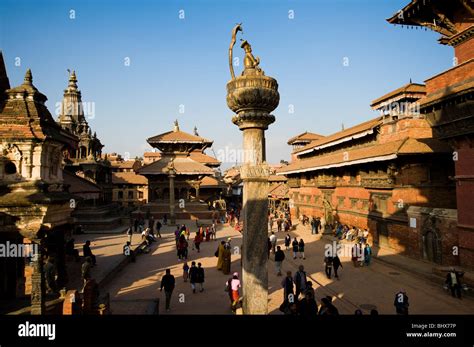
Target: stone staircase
(193, 210)
(95, 219)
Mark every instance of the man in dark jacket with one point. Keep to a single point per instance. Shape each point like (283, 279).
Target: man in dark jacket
(193, 276)
(200, 277)
(279, 257)
(308, 306)
(300, 281)
(328, 266)
(87, 252)
(336, 263)
(168, 282)
(401, 302)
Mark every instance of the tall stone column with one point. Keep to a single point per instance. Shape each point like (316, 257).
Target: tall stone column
(253, 96)
(38, 285)
(171, 176)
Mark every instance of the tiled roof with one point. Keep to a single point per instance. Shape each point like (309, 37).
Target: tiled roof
(182, 165)
(78, 185)
(196, 155)
(203, 158)
(406, 90)
(127, 164)
(212, 182)
(128, 178)
(176, 137)
(375, 152)
(306, 137)
(276, 178)
(347, 133)
(278, 191)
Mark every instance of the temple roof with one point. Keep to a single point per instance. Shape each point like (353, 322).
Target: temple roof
(305, 137)
(196, 155)
(212, 182)
(182, 166)
(276, 178)
(370, 153)
(128, 178)
(204, 158)
(279, 190)
(410, 90)
(177, 137)
(25, 116)
(348, 134)
(78, 185)
(438, 15)
(126, 164)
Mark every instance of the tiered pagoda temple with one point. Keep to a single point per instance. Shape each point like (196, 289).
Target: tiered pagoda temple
(34, 199)
(181, 172)
(94, 212)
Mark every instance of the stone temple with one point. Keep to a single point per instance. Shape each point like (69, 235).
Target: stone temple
(182, 171)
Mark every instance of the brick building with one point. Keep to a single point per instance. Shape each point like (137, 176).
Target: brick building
(448, 104)
(387, 174)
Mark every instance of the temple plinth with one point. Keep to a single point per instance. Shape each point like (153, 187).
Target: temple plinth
(253, 96)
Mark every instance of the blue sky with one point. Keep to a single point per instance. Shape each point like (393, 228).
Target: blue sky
(177, 62)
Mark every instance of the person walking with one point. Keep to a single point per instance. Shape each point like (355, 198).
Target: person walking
(279, 257)
(167, 282)
(453, 281)
(336, 263)
(87, 252)
(314, 226)
(295, 245)
(328, 263)
(185, 271)
(288, 287)
(308, 306)
(367, 254)
(200, 277)
(287, 241)
(356, 254)
(130, 234)
(197, 241)
(220, 255)
(158, 228)
(235, 286)
(300, 281)
(301, 249)
(193, 276)
(401, 302)
(273, 240)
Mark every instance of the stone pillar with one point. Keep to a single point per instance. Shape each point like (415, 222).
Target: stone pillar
(38, 285)
(254, 238)
(172, 214)
(253, 96)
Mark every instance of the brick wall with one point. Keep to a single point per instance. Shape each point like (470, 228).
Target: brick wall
(457, 74)
(464, 51)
